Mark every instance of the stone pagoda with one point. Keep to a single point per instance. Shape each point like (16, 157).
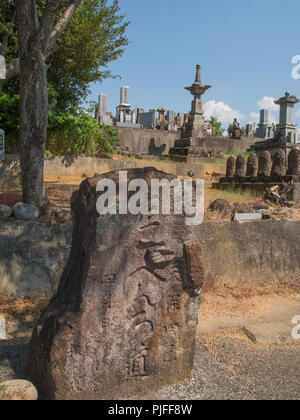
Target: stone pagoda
(285, 137)
(196, 122)
(196, 130)
(286, 129)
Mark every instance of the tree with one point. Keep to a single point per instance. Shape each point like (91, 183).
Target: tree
(217, 125)
(36, 37)
(94, 37)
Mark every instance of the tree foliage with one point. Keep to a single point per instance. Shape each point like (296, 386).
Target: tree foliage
(95, 36)
(217, 125)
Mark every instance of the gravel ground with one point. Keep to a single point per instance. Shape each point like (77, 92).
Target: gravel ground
(228, 365)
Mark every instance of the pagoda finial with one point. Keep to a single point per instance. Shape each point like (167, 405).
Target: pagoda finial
(198, 74)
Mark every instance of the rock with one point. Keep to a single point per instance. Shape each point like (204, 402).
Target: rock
(221, 206)
(259, 206)
(5, 212)
(242, 208)
(65, 216)
(250, 217)
(124, 319)
(26, 212)
(18, 390)
(283, 211)
(266, 214)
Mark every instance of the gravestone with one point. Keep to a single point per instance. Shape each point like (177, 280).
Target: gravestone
(294, 162)
(252, 165)
(230, 167)
(240, 166)
(278, 166)
(264, 164)
(124, 319)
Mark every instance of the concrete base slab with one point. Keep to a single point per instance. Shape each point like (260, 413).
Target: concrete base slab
(270, 333)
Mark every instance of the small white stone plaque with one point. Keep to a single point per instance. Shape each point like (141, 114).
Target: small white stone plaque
(2, 328)
(247, 217)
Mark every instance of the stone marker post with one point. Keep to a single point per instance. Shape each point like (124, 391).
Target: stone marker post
(2, 150)
(123, 322)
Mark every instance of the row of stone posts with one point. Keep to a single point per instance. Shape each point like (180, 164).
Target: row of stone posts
(263, 166)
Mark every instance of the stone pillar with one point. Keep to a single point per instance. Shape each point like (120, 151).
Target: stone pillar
(264, 164)
(252, 165)
(240, 166)
(278, 167)
(123, 322)
(294, 162)
(230, 167)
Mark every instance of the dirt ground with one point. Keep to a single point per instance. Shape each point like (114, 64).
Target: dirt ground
(228, 364)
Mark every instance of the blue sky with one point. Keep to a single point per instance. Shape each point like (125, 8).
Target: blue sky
(245, 49)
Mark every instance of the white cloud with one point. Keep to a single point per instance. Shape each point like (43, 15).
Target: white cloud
(297, 114)
(254, 116)
(267, 102)
(222, 112)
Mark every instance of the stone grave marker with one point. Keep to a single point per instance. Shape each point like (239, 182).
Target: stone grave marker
(124, 319)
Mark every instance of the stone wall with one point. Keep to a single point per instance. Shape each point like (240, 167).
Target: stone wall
(230, 146)
(262, 253)
(32, 257)
(267, 253)
(66, 166)
(146, 141)
(156, 142)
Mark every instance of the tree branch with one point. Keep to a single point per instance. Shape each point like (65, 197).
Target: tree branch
(13, 68)
(47, 22)
(63, 22)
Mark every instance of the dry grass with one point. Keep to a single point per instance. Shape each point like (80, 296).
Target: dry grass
(19, 308)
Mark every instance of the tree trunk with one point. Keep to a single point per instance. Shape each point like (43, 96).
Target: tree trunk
(36, 37)
(33, 123)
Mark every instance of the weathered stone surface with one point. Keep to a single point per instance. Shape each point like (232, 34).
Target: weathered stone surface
(264, 164)
(5, 212)
(26, 212)
(230, 167)
(32, 257)
(266, 214)
(252, 165)
(240, 166)
(259, 206)
(294, 162)
(242, 208)
(221, 206)
(283, 211)
(124, 319)
(278, 167)
(18, 390)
